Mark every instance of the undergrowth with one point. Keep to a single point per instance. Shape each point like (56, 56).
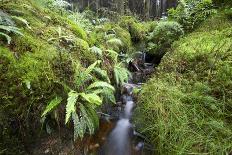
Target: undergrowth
(186, 106)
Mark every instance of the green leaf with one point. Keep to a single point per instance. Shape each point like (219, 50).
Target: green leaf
(113, 55)
(87, 119)
(92, 98)
(102, 74)
(70, 107)
(52, 105)
(96, 50)
(8, 38)
(24, 21)
(101, 84)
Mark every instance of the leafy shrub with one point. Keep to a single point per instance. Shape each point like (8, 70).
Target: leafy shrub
(164, 34)
(191, 13)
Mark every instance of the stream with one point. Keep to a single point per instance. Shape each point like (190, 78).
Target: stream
(117, 134)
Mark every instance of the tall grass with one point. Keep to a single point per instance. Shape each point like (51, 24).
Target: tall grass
(186, 107)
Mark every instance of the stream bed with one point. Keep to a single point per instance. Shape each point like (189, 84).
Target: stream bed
(117, 134)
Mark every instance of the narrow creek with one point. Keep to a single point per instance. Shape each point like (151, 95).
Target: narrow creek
(117, 134)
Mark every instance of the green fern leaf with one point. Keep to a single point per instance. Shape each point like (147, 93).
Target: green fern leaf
(8, 38)
(90, 108)
(100, 84)
(96, 50)
(88, 120)
(92, 98)
(102, 74)
(24, 21)
(115, 42)
(70, 107)
(82, 77)
(121, 74)
(108, 96)
(52, 105)
(11, 29)
(113, 54)
(76, 122)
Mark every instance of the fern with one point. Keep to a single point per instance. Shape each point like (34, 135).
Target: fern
(52, 105)
(24, 21)
(108, 95)
(70, 107)
(77, 130)
(102, 74)
(121, 74)
(5, 19)
(96, 50)
(114, 43)
(9, 29)
(83, 76)
(91, 98)
(100, 84)
(88, 121)
(8, 38)
(113, 55)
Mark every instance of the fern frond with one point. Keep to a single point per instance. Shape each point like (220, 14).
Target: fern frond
(24, 21)
(11, 29)
(5, 19)
(87, 119)
(76, 126)
(8, 38)
(90, 108)
(108, 96)
(114, 43)
(102, 74)
(70, 107)
(52, 105)
(121, 74)
(101, 84)
(91, 98)
(113, 55)
(96, 50)
(83, 76)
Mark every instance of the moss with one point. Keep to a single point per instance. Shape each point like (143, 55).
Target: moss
(81, 51)
(78, 31)
(188, 101)
(135, 28)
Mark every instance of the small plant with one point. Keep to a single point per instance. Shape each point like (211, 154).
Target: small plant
(7, 26)
(82, 101)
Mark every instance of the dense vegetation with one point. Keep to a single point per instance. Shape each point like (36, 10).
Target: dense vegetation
(186, 106)
(58, 68)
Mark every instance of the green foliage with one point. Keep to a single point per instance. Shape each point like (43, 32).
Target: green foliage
(136, 29)
(121, 74)
(228, 13)
(191, 13)
(186, 107)
(164, 34)
(103, 33)
(78, 31)
(96, 51)
(52, 105)
(7, 26)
